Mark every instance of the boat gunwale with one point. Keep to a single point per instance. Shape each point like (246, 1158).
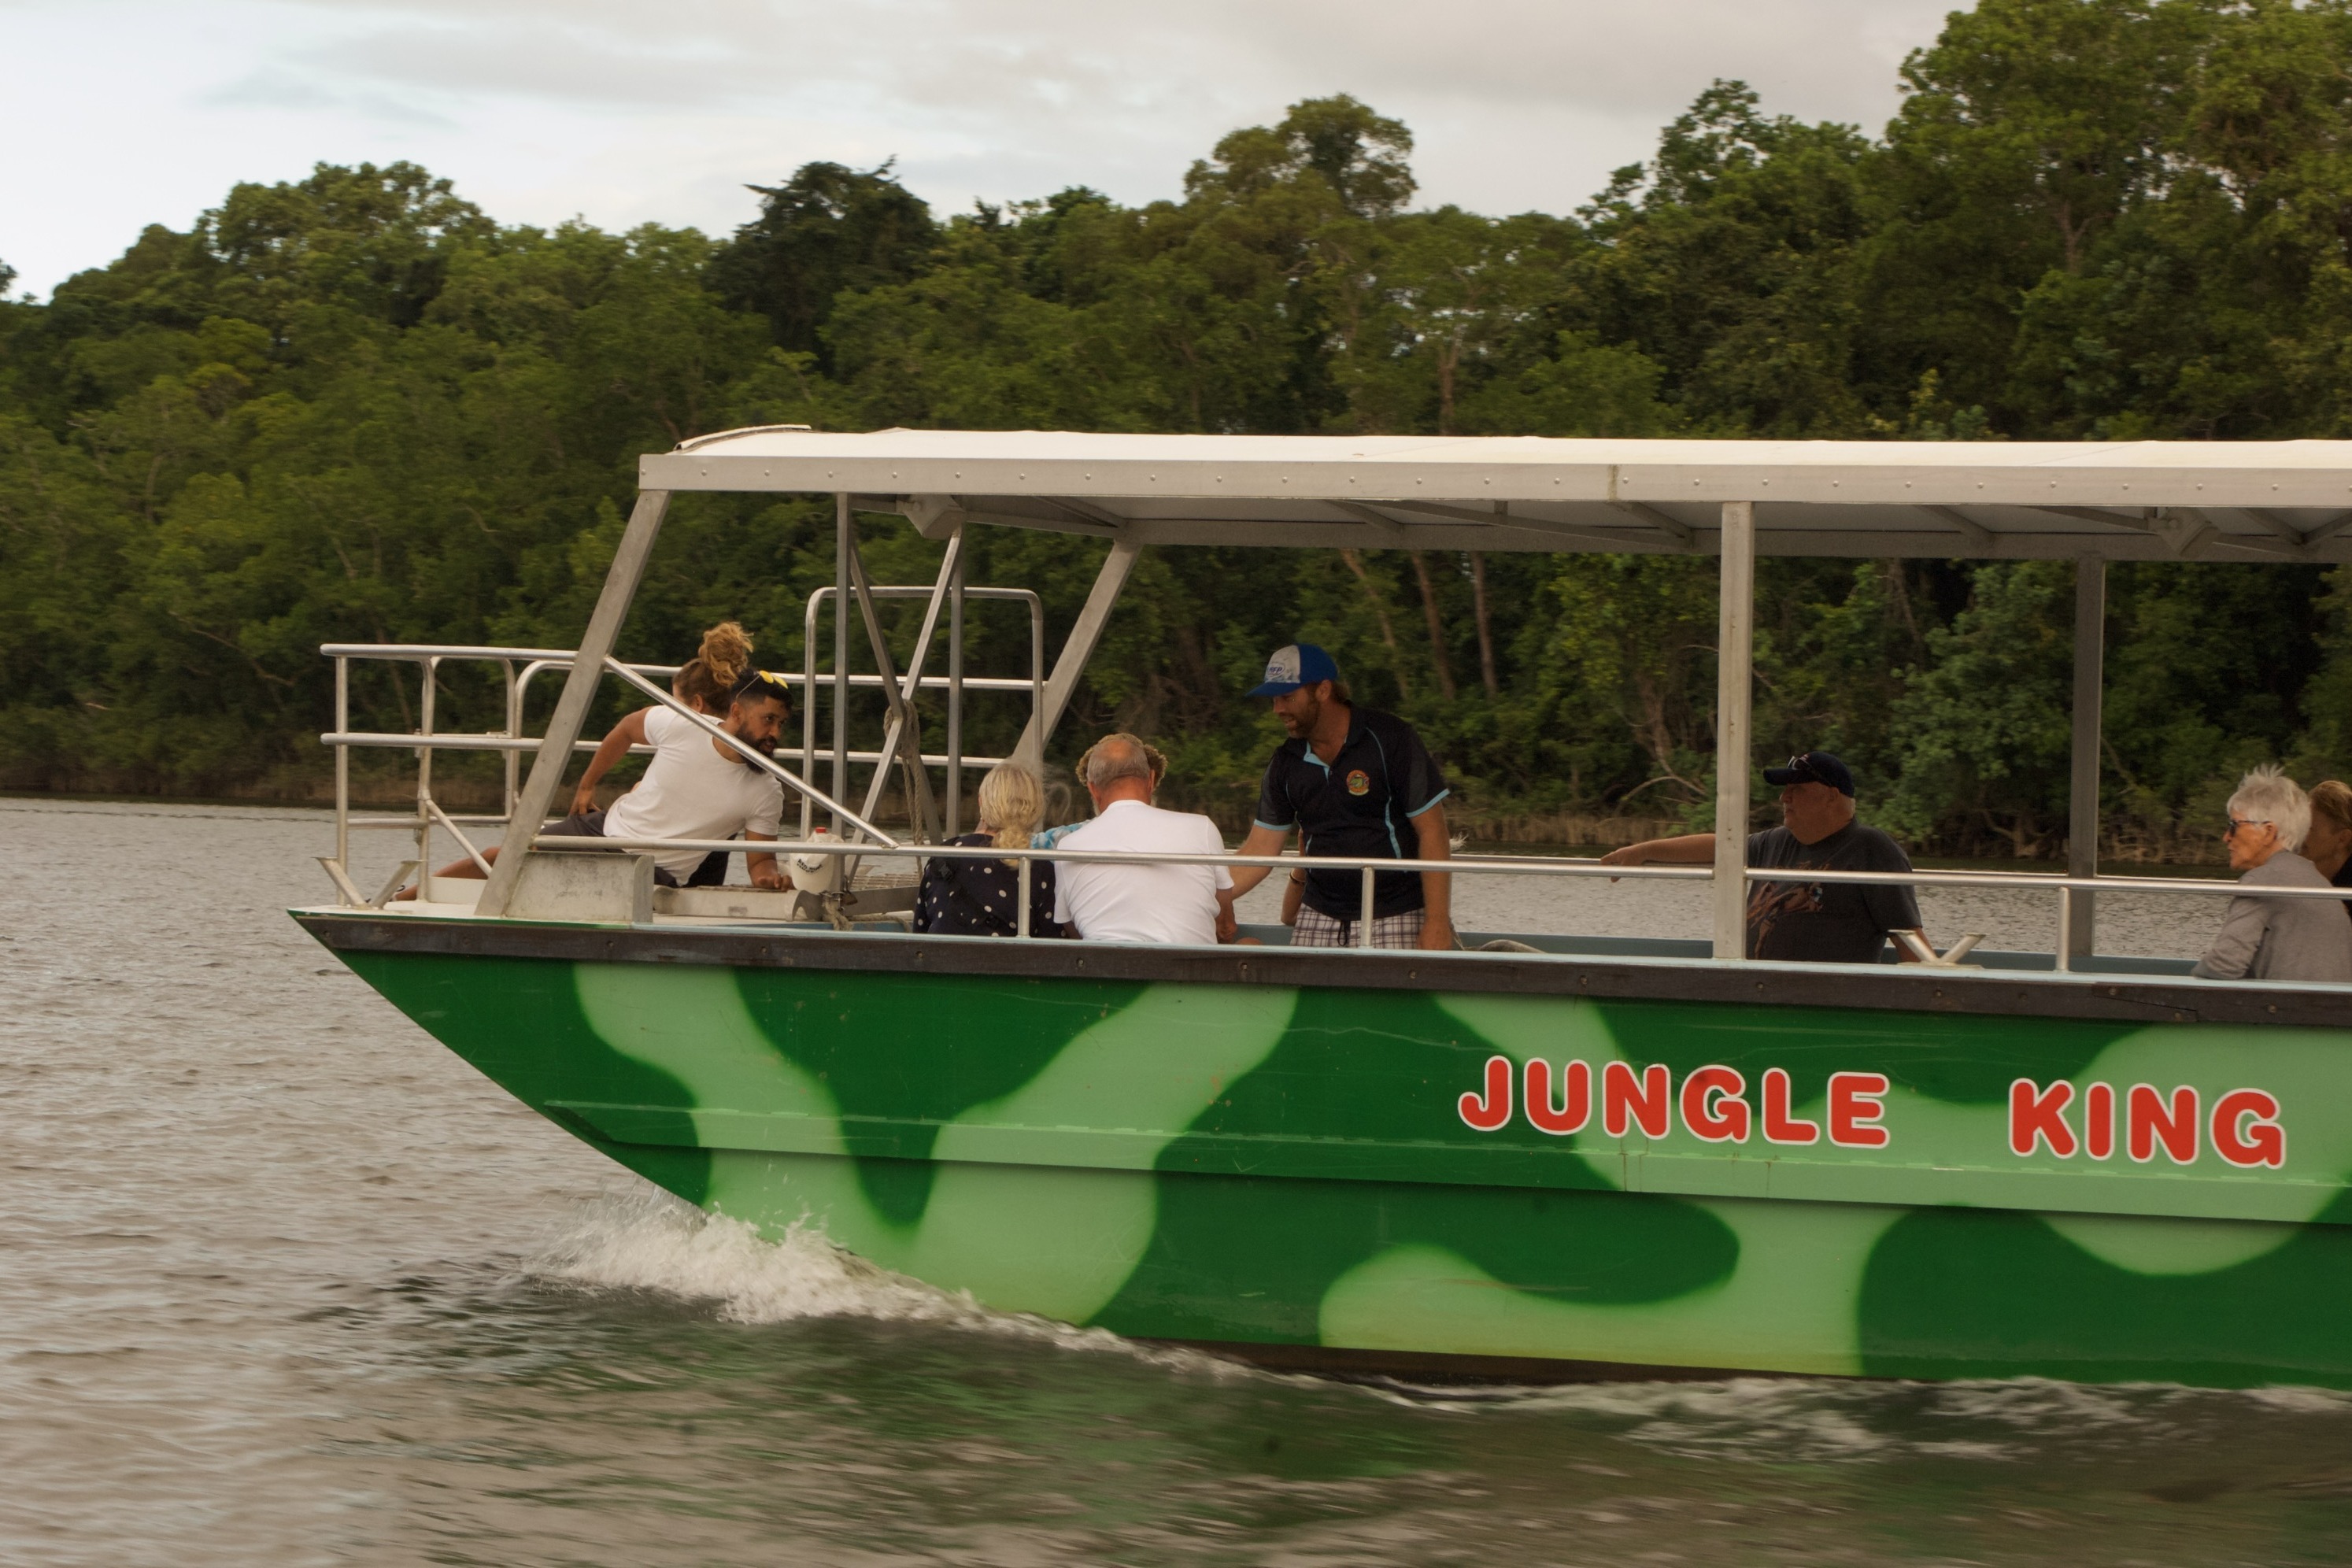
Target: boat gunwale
(1750, 983)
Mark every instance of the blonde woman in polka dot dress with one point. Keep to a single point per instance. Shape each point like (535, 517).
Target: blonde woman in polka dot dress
(981, 897)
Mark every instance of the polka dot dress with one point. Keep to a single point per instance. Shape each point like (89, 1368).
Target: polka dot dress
(979, 897)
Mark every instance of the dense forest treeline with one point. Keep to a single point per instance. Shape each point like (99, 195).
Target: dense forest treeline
(357, 407)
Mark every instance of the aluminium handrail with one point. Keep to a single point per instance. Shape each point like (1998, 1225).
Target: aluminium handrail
(428, 738)
(1504, 865)
(955, 682)
(866, 681)
(417, 650)
(1529, 864)
(468, 741)
(2184, 885)
(1525, 866)
(449, 740)
(541, 664)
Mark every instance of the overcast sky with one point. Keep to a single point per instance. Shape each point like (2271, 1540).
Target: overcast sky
(118, 113)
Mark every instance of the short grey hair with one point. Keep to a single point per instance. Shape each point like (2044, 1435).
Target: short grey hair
(2266, 794)
(1117, 757)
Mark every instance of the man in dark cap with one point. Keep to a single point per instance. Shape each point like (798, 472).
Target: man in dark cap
(1810, 922)
(1354, 783)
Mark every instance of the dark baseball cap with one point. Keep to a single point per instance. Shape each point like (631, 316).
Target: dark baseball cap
(1295, 665)
(1813, 767)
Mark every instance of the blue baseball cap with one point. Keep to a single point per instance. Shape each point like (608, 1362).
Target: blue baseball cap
(1300, 664)
(1813, 767)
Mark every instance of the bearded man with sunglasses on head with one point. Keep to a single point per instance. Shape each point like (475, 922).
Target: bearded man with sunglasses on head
(1810, 922)
(697, 787)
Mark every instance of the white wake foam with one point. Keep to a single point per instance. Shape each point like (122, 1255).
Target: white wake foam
(643, 1238)
(648, 1240)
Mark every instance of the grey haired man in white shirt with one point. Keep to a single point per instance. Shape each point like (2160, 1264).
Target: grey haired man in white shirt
(1155, 903)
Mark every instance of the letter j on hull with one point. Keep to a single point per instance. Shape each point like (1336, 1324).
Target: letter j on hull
(1490, 1109)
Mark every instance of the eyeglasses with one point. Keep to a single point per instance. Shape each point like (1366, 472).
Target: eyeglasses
(2236, 824)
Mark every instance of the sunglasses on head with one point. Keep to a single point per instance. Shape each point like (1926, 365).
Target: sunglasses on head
(765, 683)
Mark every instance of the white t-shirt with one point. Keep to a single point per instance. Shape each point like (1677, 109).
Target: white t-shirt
(1142, 903)
(690, 791)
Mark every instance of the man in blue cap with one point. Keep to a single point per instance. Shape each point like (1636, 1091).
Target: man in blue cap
(1354, 783)
(1810, 922)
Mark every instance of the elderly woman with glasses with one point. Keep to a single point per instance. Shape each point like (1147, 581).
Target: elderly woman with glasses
(2270, 938)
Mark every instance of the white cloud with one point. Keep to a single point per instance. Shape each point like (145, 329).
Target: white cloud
(127, 111)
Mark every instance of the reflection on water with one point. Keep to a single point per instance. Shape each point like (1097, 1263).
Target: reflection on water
(285, 1283)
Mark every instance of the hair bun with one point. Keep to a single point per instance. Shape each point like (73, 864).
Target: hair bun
(725, 653)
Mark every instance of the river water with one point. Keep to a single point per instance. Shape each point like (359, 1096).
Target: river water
(283, 1282)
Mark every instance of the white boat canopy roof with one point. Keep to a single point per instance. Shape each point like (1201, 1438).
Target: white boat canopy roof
(2123, 500)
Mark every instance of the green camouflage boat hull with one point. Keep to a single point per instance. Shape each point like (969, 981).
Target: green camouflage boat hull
(1456, 1160)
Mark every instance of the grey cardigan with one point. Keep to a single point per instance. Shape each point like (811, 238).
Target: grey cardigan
(2281, 939)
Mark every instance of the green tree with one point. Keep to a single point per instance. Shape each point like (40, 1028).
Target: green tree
(827, 230)
(2028, 131)
(1982, 733)
(1730, 260)
(1635, 640)
(2205, 666)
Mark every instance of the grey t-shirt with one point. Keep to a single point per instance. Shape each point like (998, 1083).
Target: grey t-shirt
(1827, 923)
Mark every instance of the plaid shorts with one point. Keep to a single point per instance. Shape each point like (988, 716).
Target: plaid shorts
(1316, 929)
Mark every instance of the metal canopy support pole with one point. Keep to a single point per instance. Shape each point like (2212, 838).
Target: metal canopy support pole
(904, 740)
(342, 763)
(844, 540)
(514, 727)
(432, 668)
(955, 687)
(1071, 663)
(587, 672)
(2083, 792)
(1735, 661)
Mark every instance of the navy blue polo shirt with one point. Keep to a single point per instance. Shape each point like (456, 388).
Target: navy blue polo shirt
(1361, 806)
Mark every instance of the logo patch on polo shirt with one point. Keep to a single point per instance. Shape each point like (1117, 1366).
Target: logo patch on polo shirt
(1359, 782)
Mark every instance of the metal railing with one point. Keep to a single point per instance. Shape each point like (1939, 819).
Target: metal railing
(425, 742)
(900, 747)
(1367, 868)
(955, 683)
(518, 665)
(2066, 888)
